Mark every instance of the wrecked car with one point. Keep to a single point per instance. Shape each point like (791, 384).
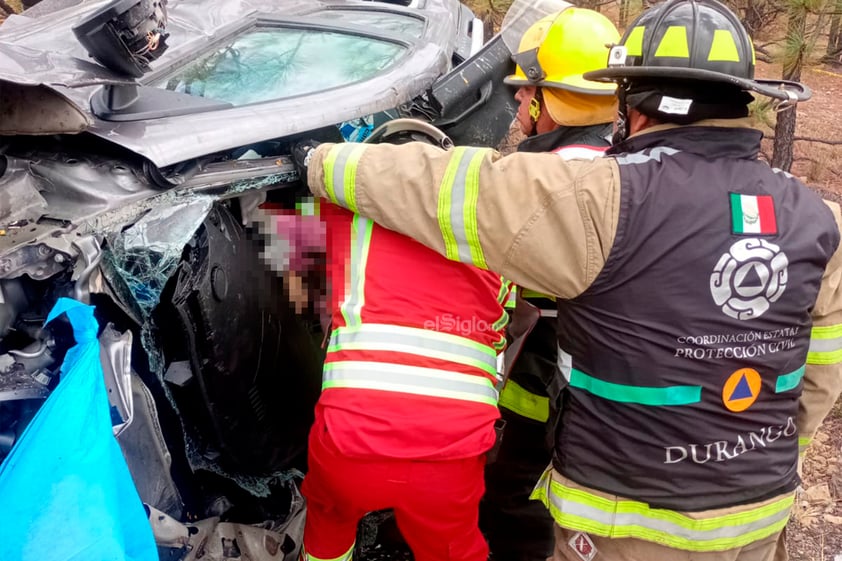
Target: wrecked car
(142, 142)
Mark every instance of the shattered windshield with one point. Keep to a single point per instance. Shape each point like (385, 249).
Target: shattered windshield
(273, 63)
(404, 26)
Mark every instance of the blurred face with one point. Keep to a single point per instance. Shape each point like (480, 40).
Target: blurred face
(523, 96)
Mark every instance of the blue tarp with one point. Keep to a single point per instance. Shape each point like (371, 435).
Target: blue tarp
(66, 493)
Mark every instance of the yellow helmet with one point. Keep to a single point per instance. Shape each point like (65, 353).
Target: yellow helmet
(557, 49)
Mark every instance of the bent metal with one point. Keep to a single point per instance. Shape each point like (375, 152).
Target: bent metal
(723, 450)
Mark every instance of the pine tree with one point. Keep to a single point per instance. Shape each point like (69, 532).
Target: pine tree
(794, 54)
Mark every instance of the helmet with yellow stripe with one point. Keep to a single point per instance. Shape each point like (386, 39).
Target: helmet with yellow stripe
(695, 40)
(558, 49)
(554, 53)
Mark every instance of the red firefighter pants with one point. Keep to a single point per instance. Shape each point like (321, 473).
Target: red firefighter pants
(436, 504)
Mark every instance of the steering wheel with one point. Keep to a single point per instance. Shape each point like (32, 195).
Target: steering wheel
(400, 131)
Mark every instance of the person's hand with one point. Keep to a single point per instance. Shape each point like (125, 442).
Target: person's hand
(301, 153)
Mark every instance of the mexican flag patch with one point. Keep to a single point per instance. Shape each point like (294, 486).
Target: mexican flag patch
(753, 214)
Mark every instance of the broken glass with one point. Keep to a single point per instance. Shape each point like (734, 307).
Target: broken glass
(274, 63)
(146, 254)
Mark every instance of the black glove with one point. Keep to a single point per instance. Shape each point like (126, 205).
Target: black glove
(301, 152)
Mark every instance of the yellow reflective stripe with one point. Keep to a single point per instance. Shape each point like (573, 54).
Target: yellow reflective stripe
(499, 344)
(723, 47)
(526, 293)
(506, 289)
(457, 206)
(347, 556)
(825, 345)
(824, 358)
(351, 307)
(674, 43)
(579, 510)
(826, 332)
(341, 174)
(525, 403)
(803, 444)
(501, 322)
(421, 342)
(511, 300)
(329, 166)
(634, 44)
(351, 176)
(402, 378)
(443, 210)
(470, 211)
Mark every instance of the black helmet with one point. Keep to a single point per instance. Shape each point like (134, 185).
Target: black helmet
(698, 40)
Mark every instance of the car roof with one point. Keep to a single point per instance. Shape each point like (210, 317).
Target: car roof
(43, 53)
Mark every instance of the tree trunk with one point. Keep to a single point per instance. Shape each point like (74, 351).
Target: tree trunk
(624, 12)
(834, 39)
(782, 153)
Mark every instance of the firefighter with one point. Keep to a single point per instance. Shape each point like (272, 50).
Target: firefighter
(698, 292)
(409, 398)
(572, 117)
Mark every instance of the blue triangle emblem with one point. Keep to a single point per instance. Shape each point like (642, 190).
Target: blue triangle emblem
(742, 390)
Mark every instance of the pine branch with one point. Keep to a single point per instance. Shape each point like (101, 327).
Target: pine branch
(811, 139)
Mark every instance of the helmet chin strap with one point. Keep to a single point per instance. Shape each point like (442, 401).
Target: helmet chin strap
(535, 111)
(622, 131)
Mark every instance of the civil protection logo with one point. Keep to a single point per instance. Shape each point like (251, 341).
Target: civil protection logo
(749, 278)
(741, 389)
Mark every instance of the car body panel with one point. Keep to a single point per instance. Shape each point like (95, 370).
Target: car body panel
(44, 51)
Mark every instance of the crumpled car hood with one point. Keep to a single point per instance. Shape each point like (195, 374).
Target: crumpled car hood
(42, 56)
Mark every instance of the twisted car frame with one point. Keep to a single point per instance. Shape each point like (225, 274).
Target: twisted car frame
(140, 144)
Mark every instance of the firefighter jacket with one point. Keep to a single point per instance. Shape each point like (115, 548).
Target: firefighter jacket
(411, 363)
(533, 370)
(765, 269)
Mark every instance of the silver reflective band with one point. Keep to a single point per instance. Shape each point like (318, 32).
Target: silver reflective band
(642, 158)
(825, 345)
(457, 205)
(549, 313)
(423, 342)
(408, 379)
(617, 520)
(565, 363)
(339, 174)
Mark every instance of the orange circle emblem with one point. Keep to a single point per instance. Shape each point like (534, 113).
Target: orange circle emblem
(741, 389)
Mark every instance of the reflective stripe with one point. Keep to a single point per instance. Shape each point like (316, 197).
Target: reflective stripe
(352, 306)
(789, 381)
(507, 288)
(533, 294)
(803, 444)
(549, 313)
(642, 158)
(347, 556)
(642, 395)
(501, 322)
(422, 342)
(457, 206)
(577, 509)
(634, 43)
(511, 300)
(825, 345)
(723, 47)
(674, 43)
(525, 403)
(408, 379)
(341, 174)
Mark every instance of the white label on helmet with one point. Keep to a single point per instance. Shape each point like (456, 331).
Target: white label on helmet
(674, 105)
